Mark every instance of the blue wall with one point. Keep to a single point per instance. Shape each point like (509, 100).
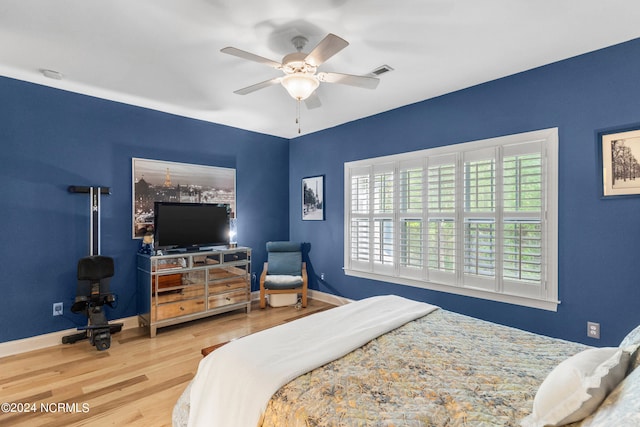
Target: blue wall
(51, 139)
(599, 272)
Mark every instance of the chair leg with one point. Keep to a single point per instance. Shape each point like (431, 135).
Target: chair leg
(263, 301)
(304, 297)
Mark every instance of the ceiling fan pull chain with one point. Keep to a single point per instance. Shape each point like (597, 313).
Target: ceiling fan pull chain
(298, 115)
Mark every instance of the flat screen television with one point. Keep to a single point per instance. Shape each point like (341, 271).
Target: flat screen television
(190, 226)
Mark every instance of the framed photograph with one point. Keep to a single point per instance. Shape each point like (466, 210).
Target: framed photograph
(161, 181)
(620, 163)
(313, 198)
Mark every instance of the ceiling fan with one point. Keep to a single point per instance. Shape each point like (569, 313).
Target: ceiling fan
(300, 78)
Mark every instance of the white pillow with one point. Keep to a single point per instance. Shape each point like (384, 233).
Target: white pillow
(577, 386)
(621, 408)
(632, 338)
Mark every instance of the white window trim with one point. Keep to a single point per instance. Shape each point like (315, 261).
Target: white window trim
(548, 297)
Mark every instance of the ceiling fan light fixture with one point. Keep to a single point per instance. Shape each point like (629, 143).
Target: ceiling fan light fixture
(300, 85)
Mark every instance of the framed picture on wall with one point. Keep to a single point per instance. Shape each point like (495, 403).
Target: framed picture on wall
(620, 163)
(162, 181)
(313, 198)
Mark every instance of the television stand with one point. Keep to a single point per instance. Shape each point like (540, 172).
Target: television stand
(179, 287)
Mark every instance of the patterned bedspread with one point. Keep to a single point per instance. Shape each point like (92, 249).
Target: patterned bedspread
(444, 369)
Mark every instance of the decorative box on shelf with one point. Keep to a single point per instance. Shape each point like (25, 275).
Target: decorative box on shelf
(185, 286)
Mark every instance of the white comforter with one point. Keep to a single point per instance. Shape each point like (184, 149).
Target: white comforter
(234, 383)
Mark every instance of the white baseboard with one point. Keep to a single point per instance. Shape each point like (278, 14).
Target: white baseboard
(317, 295)
(24, 345)
(329, 298)
(49, 340)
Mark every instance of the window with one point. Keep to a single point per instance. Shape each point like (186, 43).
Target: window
(477, 219)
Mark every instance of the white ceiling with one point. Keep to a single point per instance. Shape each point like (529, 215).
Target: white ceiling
(165, 54)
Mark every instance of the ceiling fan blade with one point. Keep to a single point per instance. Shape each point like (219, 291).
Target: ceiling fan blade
(313, 101)
(327, 47)
(251, 57)
(349, 79)
(258, 86)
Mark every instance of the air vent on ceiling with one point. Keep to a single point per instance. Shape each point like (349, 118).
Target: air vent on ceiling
(51, 74)
(381, 70)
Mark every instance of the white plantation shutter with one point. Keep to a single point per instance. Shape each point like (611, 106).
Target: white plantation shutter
(442, 245)
(477, 219)
(359, 214)
(480, 182)
(360, 193)
(523, 235)
(411, 246)
(522, 248)
(480, 248)
(441, 217)
(383, 225)
(360, 240)
(442, 184)
(411, 201)
(383, 241)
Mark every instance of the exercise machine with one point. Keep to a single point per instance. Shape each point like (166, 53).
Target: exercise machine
(94, 275)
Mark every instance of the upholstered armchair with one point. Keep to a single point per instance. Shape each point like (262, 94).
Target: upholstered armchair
(284, 272)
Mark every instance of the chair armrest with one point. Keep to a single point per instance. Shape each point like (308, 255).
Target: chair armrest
(263, 276)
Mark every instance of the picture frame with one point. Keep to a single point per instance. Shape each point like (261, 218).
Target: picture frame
(313, 198)
(620, 161)
(164, 181)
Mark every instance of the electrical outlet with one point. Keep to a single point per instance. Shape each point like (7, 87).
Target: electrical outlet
(58, 308)
(593, 330)
(321, 276)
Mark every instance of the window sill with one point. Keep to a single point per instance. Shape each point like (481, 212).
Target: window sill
(458, 290)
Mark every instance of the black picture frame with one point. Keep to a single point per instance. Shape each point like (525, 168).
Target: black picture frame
(619, 152)
(313, 198)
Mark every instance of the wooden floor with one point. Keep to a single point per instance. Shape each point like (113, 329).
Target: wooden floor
(134, 383)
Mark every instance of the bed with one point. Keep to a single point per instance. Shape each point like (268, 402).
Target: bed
(432, 367)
